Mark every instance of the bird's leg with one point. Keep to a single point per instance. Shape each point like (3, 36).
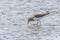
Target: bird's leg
(40, 22)
(37, 23)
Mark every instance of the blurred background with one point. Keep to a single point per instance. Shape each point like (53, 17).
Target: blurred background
(14, 15)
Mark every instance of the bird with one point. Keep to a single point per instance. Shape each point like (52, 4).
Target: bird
(37, 16)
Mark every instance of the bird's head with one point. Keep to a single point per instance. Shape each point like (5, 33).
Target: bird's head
(31, 19)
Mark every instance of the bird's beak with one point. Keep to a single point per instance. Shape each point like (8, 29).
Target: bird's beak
(28, 22)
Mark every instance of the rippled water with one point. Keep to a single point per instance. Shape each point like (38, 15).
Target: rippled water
(14, 15)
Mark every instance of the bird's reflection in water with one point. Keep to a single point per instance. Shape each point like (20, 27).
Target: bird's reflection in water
(34, 26)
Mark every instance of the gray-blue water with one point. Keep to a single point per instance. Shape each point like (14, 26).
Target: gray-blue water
(14, 15)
